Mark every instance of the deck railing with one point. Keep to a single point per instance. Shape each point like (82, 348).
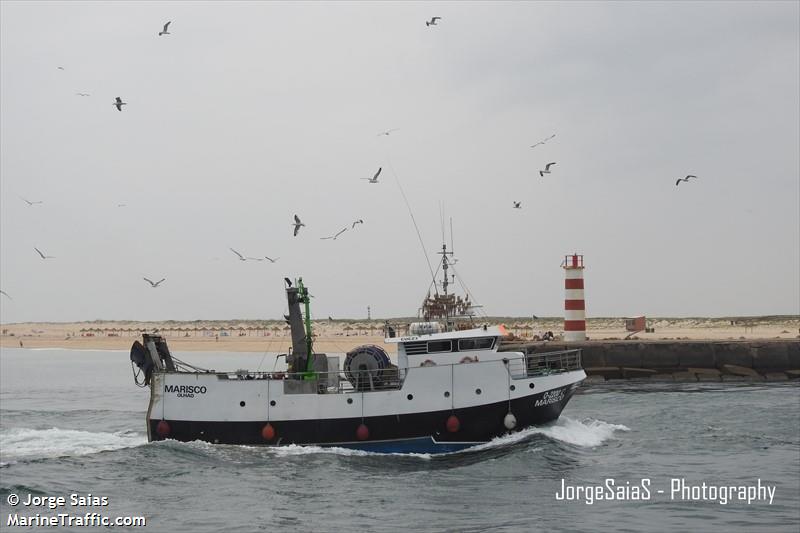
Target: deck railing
(537, 364)
(392, 378)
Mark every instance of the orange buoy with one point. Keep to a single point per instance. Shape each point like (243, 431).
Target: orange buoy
(268, 432)
(453, 424)
(162, 429)
(362, 433)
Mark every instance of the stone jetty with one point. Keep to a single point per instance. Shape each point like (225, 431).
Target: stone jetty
(682, 361)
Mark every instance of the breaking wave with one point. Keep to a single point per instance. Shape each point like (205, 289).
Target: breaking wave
(587, 433)
(25, 443)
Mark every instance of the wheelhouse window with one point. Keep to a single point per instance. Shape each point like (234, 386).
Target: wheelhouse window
(481, 343)
(440, 346)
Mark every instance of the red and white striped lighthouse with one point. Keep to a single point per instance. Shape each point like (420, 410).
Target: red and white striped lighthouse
(574, 304)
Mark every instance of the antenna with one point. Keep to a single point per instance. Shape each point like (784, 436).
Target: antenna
(442, 221)
(419, 235)
(452, 248)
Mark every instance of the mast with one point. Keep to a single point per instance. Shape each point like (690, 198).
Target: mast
(445, 265)
(445, 297)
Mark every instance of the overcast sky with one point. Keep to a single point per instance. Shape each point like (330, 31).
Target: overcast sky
(250, 112)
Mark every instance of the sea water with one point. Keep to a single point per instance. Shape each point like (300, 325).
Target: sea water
(72, 430)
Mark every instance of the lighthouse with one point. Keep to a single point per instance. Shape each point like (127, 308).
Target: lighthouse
(574, 304)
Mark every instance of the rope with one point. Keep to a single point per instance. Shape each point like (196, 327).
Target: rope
(466, 290)
(136, 376)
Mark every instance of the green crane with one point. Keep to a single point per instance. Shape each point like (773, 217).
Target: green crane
(306, 299)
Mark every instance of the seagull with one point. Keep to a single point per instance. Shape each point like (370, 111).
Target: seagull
(30, 204)
(334, 236)
(119, 103)
(546, 169)
(543, 141)
(60, 68)
(686, 179)
(359, 221)
(152, 284)
(374, 178)
(288, 282)
(387, 132)
(432, 22)
(270, 259)
(83, 94)
(297, 225)
(38, 251)
(241, 257)
(517, 205)
(164, 31)
(4, 293)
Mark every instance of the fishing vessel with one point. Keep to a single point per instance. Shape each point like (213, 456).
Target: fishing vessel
(452, 385)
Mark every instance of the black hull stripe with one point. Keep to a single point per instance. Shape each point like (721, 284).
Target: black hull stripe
(477, 424)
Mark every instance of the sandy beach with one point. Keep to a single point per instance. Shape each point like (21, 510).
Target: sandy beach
(342, 336)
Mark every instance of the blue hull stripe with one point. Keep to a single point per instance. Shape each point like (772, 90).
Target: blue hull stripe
(416, 445)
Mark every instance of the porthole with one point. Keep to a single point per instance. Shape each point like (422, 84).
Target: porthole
(349, 400)
(513, 387)
(272, 403)
(446, 394)
(477, 391)
(241, 404)
(410, 396)
(531, 385)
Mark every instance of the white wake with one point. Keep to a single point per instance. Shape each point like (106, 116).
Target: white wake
(25, 443)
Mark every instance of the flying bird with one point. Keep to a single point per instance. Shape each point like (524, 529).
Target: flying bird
(543, 141)
(359, 221)
(297, 225)
(164, 31)
(38, 251)
(4, 293)
(387, 132)
(241, 257)
(270, 259)
(433, 21)
(686, 179)
(334, 236)
(83, 94)
(374, 178)
(119, 103)
(60, 68)
(30, 204)
(154, 284)
(517, 205)
(546, 169)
